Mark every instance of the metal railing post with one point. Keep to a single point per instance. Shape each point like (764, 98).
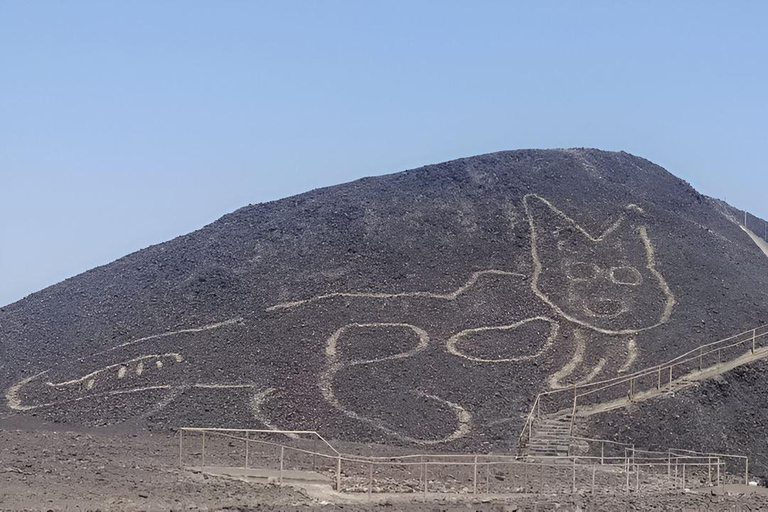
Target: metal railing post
(181, 447)
(247, 447)
(754, 338)
(370, 481)
(573, 476)
(626, 467)
(709, 470)
(670, 377)
(658, 383)
(338, 474)
(202, 451)
(282, 458)
(746, 471)
(718, 472)
(684, 465)
(314, 452)
(602, 453)
(475, 477)
(637, 477)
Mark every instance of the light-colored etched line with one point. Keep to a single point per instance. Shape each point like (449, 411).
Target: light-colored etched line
(171, 355)
(331, 350)
(209, 327)
(441, 296)
(223, 386)
(538, 267)
(452, 344)
(325, 383)
(570, 366)
(651, 254)
(631, 356)
(12, 397)
(257, 409)
(592, 374)
(14, 401)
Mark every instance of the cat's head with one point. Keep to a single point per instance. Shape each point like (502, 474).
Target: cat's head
(607, 282)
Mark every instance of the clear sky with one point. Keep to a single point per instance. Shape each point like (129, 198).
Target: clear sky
(124, 124)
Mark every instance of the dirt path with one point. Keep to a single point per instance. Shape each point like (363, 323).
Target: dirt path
(759, 241)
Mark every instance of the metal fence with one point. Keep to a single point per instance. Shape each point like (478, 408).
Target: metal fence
(644, 382)
(261, 453)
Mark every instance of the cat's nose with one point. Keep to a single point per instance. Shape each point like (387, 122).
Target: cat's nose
(605, 308)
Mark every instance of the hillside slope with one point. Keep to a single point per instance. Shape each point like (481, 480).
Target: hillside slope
(426, 307)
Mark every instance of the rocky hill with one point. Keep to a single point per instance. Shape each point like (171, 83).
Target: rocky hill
(426, 307)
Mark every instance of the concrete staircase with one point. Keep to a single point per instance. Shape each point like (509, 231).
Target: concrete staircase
(550, 437)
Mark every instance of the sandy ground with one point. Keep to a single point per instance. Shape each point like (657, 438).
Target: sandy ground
(45, 467)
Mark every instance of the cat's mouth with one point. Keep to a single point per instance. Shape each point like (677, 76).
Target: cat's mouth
(605, 308)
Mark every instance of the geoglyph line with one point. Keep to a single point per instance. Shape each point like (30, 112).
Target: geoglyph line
(631, 356)
(209, 327)
(432, 295)
(13, 396)
(463, 417)
(174, 355)
(257, 405)
(453, 342)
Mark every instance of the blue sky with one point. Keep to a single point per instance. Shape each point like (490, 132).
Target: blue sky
(124, 124)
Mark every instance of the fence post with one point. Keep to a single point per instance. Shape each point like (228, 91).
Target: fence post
(573, 476)
(475, 476)
(203, 449)
(754, 338)
(670, 378)
(541, 477)
(684, 465)
(658, 383)
(626, 467)
(746, 471)
(602, 453)
(676, 471)
(181, 446)
(669, 465)
(282, 458)
(637, 477)
(718, 472)
(370, 481)
(709, 470)
(338, 474)
(594, 470)
(247, 436)
(423, 473)
(701, 352)
(314, 451)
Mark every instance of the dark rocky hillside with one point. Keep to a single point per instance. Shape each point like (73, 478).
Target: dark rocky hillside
(426, 307)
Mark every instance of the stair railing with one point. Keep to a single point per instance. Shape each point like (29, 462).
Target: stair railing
(562, 405)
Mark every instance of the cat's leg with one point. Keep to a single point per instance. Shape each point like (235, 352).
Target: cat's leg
(596, 357)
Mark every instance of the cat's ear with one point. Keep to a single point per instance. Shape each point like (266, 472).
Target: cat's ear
(551, 227)
(625, 227)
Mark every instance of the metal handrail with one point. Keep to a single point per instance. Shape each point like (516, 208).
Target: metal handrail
(697, 353)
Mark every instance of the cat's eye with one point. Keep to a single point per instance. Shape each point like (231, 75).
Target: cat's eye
(626, 275)
(581, 271)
